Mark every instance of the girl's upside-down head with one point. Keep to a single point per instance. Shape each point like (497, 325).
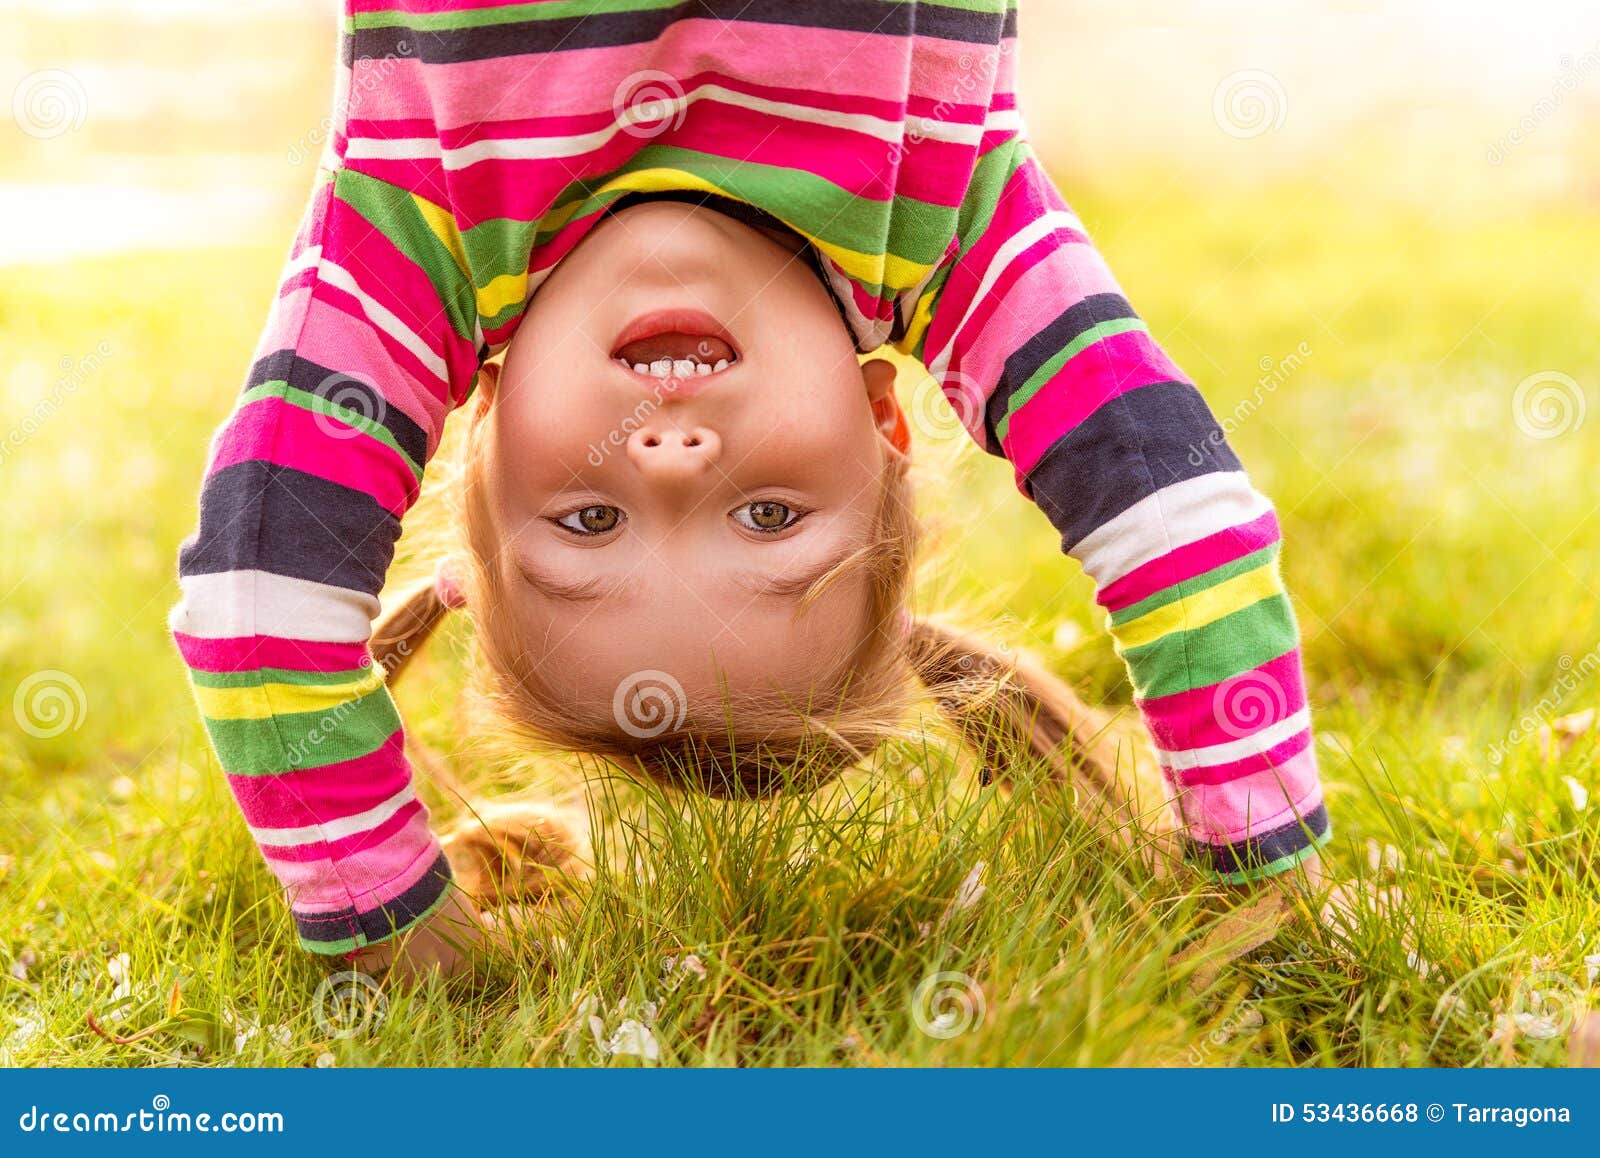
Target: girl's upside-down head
(683, 476)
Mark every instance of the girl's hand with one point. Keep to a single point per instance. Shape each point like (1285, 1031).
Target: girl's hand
(444, 944)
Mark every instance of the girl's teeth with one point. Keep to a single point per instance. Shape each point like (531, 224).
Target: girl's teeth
(683, 368)
(702, 369)
(641, 367)
(661, 367)
(722, 364)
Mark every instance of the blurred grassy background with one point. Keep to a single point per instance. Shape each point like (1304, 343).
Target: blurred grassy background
(1367, 230)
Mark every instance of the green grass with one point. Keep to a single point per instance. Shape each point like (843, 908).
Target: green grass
(1445, 567)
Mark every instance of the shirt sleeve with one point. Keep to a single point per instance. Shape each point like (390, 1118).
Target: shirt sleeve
(371, 341)
(1047, 364)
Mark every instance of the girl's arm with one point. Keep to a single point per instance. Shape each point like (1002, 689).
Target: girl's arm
(1047, 364)
(370, 342)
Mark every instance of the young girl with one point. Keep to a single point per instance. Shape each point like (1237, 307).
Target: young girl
(681, 225)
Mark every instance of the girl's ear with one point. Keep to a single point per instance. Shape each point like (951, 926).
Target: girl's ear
(878, 375)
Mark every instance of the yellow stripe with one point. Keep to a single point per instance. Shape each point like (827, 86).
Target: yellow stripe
(1201, 608)
(506, 290)
(259, 703)
(444, 228)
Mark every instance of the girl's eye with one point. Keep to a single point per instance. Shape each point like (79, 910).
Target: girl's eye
(596, 520)
(766, 517)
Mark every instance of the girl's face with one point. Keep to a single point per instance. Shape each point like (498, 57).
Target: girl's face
(682, 440)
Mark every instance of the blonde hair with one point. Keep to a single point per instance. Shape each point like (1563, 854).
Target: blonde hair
(1002, 705)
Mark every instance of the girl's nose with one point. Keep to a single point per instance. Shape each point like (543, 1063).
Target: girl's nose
(668, 452)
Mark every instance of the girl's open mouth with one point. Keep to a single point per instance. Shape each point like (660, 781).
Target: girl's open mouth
(675, 344)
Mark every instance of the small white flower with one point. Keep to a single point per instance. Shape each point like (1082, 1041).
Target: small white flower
(633, 1039)
(326, 1060)
(1579, 794)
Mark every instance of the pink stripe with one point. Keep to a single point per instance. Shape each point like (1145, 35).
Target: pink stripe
(1252, 805)
(377, 876)
(356, 845)
(363, 351)
(329, 339)
(1019, 204)
(576, 82)
(252, 652)
(303, 796)
(1277, 757)
(1105, 370)
(272, 430)
(1190, 560)
(1190, 719)
(1046, 279)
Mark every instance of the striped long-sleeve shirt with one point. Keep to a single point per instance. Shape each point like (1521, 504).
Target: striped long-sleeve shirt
(474, 144)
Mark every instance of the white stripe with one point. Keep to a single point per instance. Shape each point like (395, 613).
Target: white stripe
(235, 603)
(1263, 741)
(664, 112)
(383, 318)
(303, 260)
(335, 829)
(1173, 517)
(1008, 120)
(1035, 230)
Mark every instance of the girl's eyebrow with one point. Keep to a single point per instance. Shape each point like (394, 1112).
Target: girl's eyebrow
(571, 590)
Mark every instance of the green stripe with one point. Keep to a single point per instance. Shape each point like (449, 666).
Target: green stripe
(1195, 585)
(349, 944)
(808, 202)
(317, 404)
(305, 739)
(1021, 395)
(392, 211)
(565, 9)
(277, 675)
(1281, 865)
(1241, 642)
